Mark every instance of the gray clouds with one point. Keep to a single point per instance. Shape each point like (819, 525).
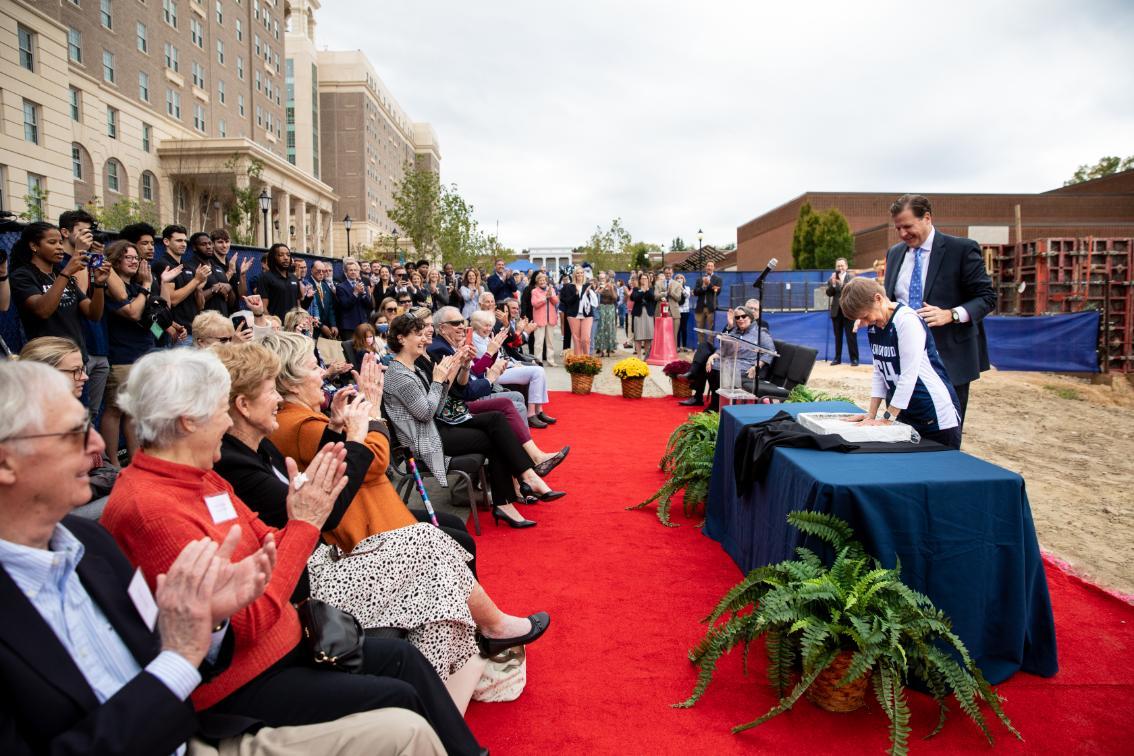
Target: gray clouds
(553, 118)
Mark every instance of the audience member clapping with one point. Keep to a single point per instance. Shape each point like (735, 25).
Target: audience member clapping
(531, 376)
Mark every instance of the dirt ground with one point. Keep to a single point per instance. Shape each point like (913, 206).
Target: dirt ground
(1073, 443)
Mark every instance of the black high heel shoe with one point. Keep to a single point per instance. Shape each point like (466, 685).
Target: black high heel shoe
(527, 492)
(498, 514)
(549, 464)
(492, 646)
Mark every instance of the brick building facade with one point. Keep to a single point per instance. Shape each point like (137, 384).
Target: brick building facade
(1103, 208)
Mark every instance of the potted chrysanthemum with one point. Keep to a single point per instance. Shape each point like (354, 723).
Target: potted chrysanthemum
(632, 371)
(676, 369)
(583, 368)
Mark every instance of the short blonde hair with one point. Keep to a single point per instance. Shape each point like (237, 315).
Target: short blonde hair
(50, 350)
(858, 296)
(210, 324)
(248, 365)
(482, 317)
(291, 349)
(293, 317)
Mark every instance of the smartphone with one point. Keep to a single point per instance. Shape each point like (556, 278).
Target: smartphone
(468, 336)
(241, 319)
(94, 261)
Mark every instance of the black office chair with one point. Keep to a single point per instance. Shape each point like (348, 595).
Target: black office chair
(790, 369)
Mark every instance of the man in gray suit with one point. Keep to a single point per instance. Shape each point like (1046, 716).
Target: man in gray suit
(951, 290)
(842, 326)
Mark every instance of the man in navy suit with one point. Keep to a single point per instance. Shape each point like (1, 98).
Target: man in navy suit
(500, 283)
(943, 278)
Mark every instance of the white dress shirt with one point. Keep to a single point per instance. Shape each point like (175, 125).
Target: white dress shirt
(905, 273)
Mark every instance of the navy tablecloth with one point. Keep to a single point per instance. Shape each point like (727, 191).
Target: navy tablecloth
(961, 526)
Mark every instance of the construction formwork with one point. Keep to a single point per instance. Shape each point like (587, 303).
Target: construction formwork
(1061, 275)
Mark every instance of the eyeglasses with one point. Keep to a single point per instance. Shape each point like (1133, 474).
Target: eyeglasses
(454, 323)
(741, 315)
(83, 432)
(391, 309)
(75, 373)
(130, 258)
(224, 339)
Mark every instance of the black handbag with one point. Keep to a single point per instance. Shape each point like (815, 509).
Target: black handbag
(333, 637)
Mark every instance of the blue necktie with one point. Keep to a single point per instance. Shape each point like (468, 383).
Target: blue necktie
(915, 281)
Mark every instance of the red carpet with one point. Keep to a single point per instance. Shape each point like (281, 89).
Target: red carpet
(626, 596)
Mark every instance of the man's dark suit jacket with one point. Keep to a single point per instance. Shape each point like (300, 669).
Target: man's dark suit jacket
(706, 297)
(955, 278)
(47, 706)
(835, 292)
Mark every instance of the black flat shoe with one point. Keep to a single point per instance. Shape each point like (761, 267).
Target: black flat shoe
(549, 464)
(693, 401)
(526, 490)
(498, 515)
(546, 418)
(492, 646)
(535, 422)
(687, 376)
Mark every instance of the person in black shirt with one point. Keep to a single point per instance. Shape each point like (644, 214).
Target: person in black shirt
(217, 293)
(186, 298)
(47, 296)
(278, 287)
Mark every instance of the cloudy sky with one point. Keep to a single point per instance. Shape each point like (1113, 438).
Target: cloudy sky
(674, 116)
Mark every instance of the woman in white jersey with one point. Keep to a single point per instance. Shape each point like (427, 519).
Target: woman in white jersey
(908, 373)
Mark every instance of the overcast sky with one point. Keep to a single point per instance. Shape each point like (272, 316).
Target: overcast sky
(555, 117)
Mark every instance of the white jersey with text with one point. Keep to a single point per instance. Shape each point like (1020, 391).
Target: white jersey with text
(909, 374)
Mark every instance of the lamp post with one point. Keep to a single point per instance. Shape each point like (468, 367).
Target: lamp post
(397, 252)
(700, 250)
(265, 206)
(347, 225)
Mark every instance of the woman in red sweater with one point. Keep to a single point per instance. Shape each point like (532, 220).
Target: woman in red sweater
(169, 496)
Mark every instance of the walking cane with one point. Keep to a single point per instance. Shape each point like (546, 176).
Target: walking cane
(421, 490)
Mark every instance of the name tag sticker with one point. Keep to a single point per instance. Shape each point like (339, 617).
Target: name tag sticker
(155, 329)
(143, 600)
(220, 507)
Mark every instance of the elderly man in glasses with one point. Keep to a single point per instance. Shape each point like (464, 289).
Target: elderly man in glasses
(98, 663)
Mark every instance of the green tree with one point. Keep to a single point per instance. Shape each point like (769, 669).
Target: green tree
(640, 253)
(608, 249)
(797, 236)
(1105, 167)
(417, 208)
(807, 228)
(123, 212)
(677, 245)
(242, 216)
(833, 239)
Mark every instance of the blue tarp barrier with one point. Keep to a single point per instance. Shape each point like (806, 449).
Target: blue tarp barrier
(1055, 343)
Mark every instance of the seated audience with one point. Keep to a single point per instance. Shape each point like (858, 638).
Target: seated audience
(210, 327)
(365, 341)
(170, 496)
(698, 373)
(64, 355)
(746, 359)
(414, 578)
(909, 375)
(531, 376)
(415, 397)
(129, 697)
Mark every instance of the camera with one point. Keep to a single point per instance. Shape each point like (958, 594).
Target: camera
(97, 235)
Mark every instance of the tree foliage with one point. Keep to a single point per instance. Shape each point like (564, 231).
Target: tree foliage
(641, 254)
(677, 245)
(1105, 167)
(242, 216)
(123, 212)
(803, 239)
(833, 239)
(457, 236)
(608, 249)
(418, 207)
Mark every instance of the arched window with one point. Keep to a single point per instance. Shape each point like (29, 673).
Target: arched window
(148, 187)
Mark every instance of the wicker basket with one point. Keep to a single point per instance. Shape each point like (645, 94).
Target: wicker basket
(581, 384)
(826, 693)
(681, 388)
(632, 387)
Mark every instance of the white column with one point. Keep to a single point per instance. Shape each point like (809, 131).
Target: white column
(282, 202)
(301, 227)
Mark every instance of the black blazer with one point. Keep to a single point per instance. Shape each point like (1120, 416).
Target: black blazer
(706, 297)
(47, 706)
(955, 278)
(642, 300)
(835, 292)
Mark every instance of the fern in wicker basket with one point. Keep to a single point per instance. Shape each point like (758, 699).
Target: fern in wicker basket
(688, 460)
(812, 614)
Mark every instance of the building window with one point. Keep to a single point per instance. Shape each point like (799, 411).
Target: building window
(112, 175)
(76, 162)
(220, 13)
(104, 14)
(199, 117)
(239, 31)
(276, 29)
(256, 9)
(143, 39)
(240, 67)
(220, 51)
(108, 66)
(259, 116)
(37, 193)
(220, 91)
(198, 75)
(196, 35)
(147, 136)
(31, 122)
(169, 12)
(143, 86)
(171, 57)
(240, 104)
(258, 89)
(27, 47)
(111, 122)
(76, 109)
(148, 186)
(74, 47)
(256, 45)
(173, 103)
(221, 130)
